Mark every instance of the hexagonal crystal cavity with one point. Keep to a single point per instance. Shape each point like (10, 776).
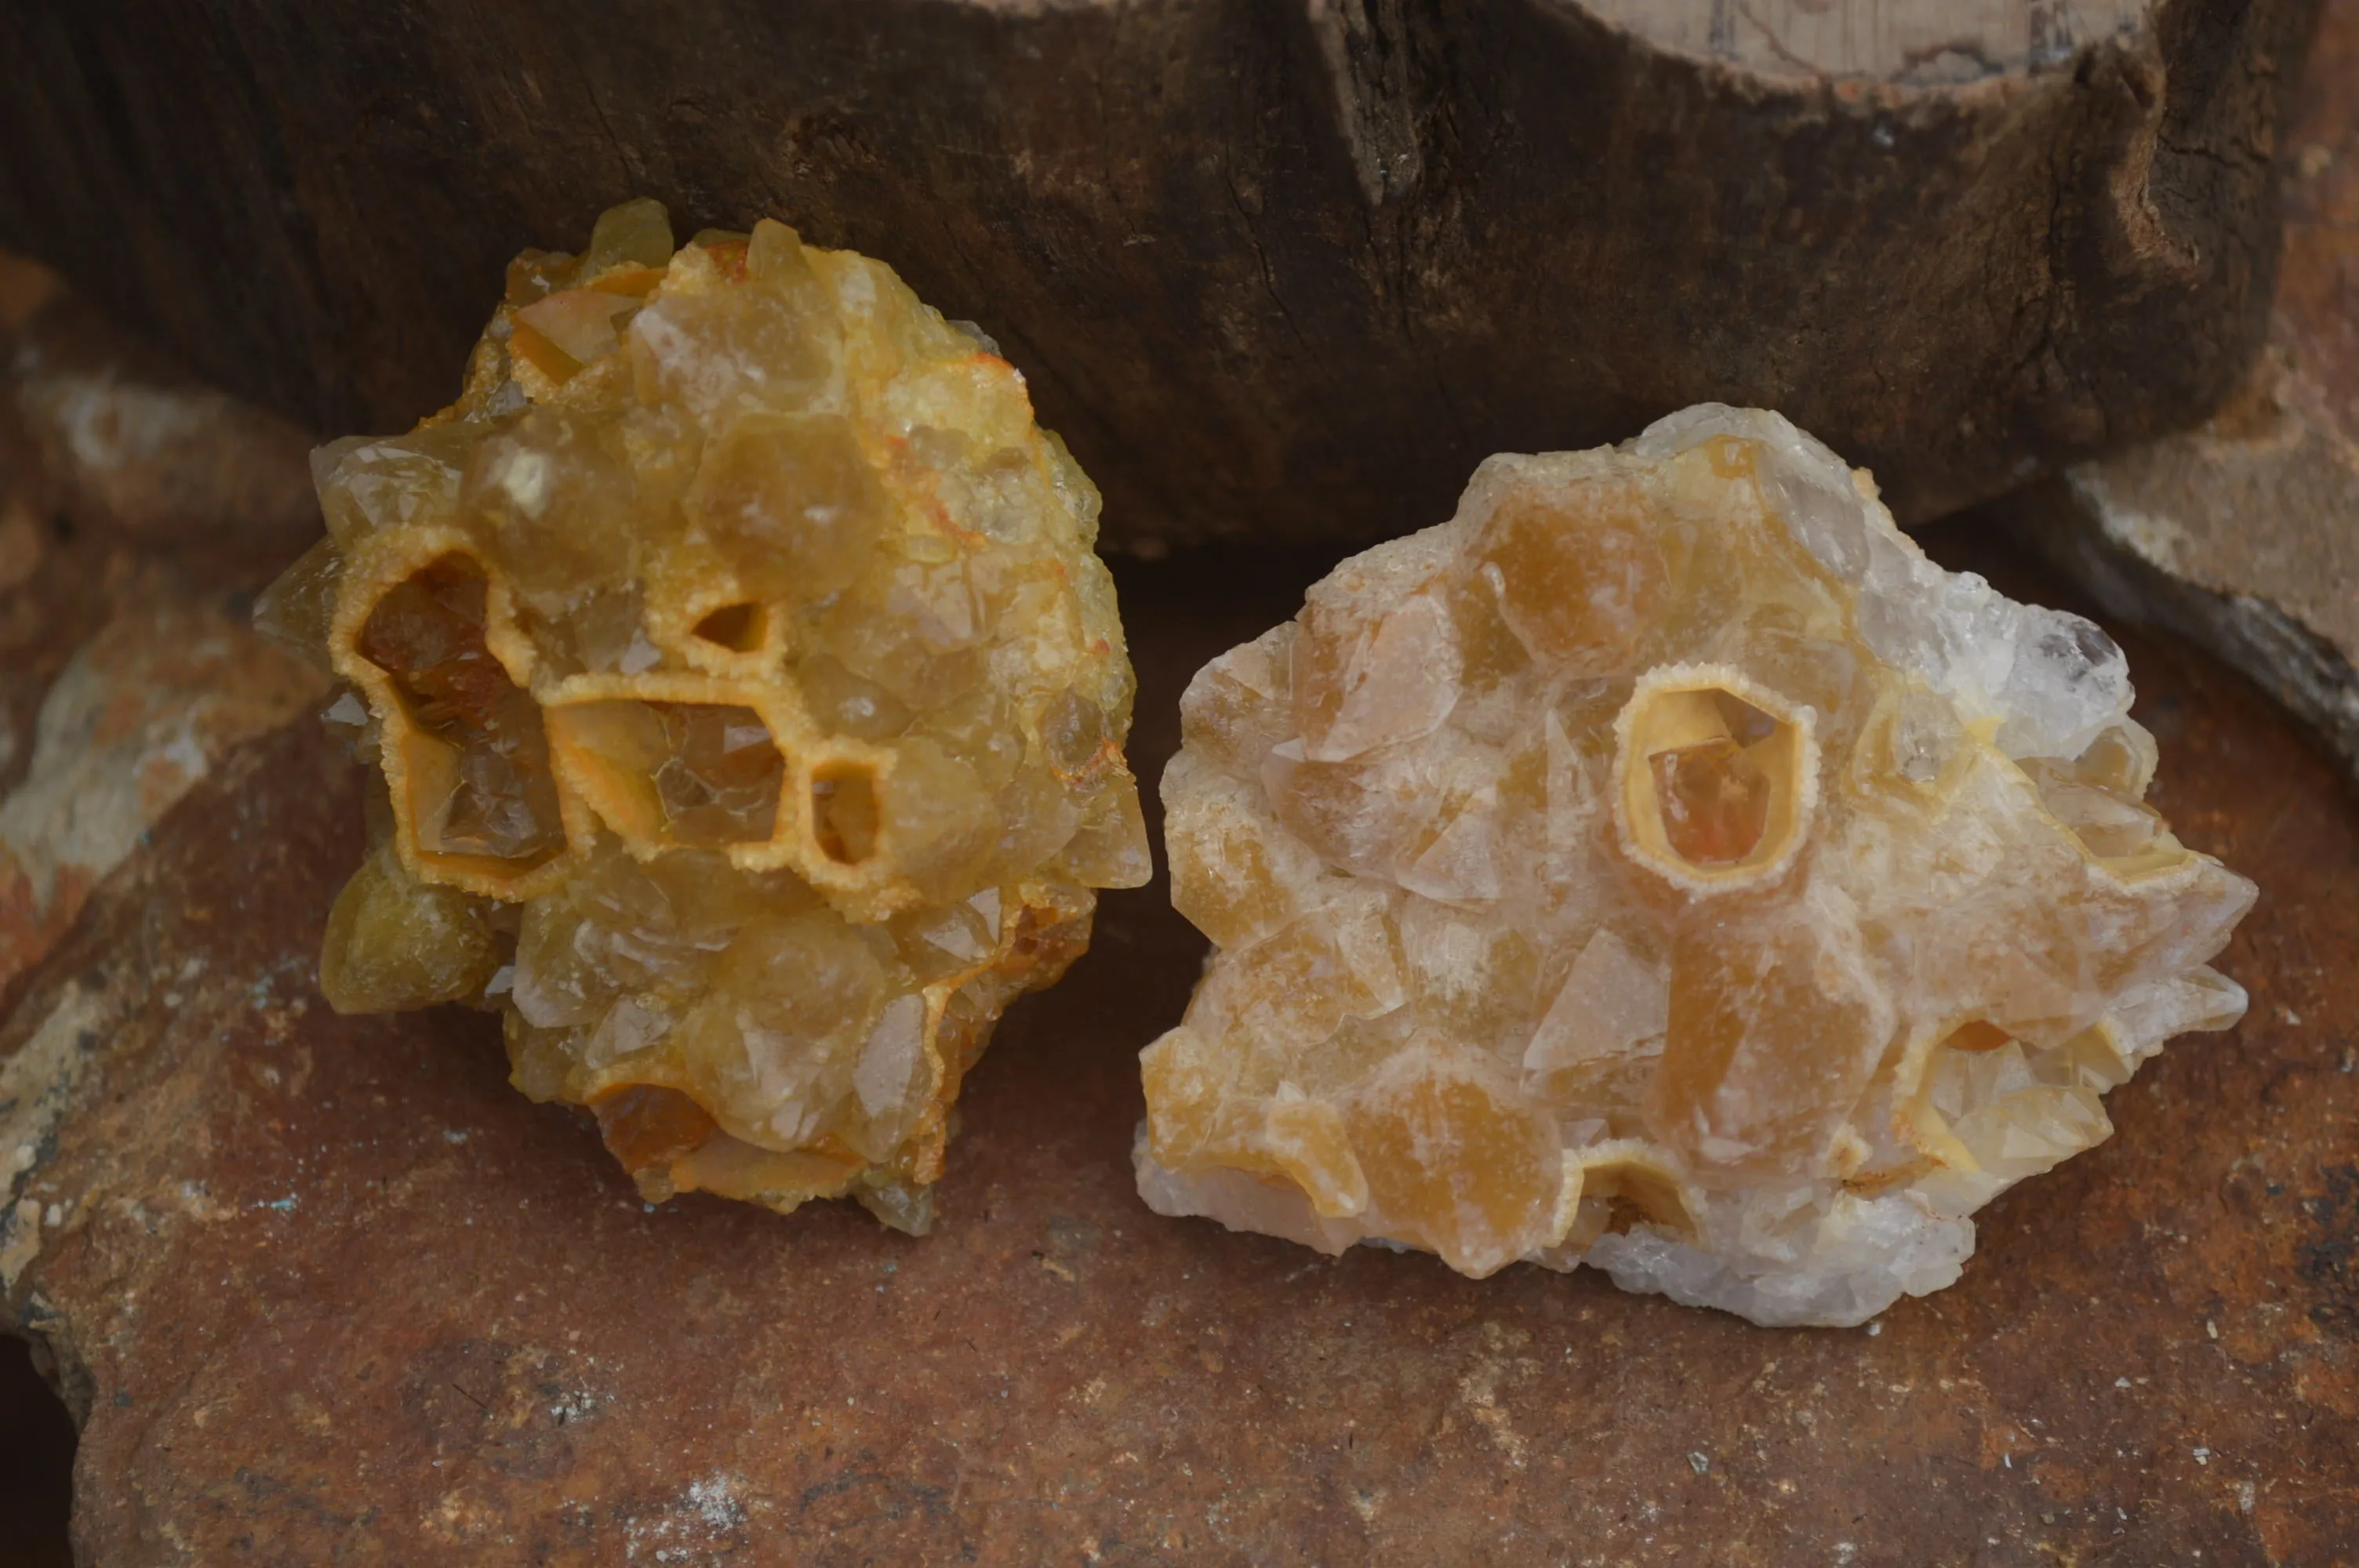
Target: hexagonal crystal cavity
(1662, 865)
(748, 703)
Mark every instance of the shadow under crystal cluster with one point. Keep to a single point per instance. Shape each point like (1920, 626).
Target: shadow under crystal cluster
(749, 703)
(1663, 865)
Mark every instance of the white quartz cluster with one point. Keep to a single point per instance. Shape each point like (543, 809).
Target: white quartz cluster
(1663, 865)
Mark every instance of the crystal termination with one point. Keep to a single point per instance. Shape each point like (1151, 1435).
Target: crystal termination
(1662, 865)
(749, 704)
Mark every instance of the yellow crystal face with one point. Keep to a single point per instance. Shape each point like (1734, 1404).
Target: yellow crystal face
(748, 700)
(1662, 865)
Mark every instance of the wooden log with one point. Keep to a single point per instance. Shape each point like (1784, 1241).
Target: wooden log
(2243, 534)
(1275, 270)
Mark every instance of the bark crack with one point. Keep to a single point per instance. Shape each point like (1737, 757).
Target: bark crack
(1364, 47)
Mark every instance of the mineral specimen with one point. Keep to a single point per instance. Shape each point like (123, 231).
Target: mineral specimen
(749, 705)
(1663, 865)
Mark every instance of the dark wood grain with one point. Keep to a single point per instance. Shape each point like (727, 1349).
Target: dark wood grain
(1277, 268)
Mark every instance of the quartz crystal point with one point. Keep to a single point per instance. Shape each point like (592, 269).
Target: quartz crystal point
(749, 704)
(1662, 865)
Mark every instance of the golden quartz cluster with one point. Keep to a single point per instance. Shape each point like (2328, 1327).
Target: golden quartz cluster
(1662, 865)
(749, 704)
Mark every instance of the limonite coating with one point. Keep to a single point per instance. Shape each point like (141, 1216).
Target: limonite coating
(748, 701)
(1662, 865)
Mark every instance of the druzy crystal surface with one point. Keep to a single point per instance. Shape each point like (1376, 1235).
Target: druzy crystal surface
(1662, 865)
(748, 700)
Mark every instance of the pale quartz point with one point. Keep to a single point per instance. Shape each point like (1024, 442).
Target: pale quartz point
(1612, 1003)
(1662, 865)
(748, 702)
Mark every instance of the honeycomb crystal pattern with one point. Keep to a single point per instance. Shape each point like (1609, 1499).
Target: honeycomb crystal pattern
(1662, 865)
(748, 703)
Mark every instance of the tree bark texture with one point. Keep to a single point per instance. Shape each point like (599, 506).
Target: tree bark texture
(1278, 269)
(2243, 534)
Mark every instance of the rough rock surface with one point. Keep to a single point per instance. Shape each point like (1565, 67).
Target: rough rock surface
(2243, 533)
(326, 1288)
(137, 511)
(1276, 268)
(746, 700)
(1661, 865)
